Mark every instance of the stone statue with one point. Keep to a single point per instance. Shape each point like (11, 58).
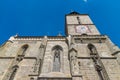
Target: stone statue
(56, 62)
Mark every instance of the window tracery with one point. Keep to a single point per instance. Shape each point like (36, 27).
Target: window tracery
(57, 58)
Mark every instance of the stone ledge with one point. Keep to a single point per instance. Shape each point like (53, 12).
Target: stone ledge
(100, 57)
(116, 52)
(55, 74)
(14, 58)
(77, 75)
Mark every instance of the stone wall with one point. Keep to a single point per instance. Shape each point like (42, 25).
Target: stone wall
(49, 58)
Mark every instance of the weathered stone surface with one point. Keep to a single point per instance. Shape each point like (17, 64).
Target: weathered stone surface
(75, 59)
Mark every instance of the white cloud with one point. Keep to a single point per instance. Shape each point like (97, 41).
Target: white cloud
(85, 0)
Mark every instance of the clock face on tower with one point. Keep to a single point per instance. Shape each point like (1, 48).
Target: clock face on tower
(82, 29)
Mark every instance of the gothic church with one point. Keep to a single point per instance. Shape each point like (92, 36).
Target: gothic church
(83, 54)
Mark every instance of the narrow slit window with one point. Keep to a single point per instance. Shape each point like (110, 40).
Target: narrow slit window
(21, 52)
(78, 19)
(93, 53)
(24, 48)
(14, 71)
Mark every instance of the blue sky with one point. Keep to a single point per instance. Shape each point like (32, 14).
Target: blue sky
(47, 17)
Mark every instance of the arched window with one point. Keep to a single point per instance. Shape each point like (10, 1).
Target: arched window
(14, 71)
(92, 49)
(94, 55)
(57, 61)
(21, 52)
(24, 48)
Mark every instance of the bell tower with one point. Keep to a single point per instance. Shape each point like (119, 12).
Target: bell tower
(79, 24)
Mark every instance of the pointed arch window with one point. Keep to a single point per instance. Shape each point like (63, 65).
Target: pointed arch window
(97, 64)
(57, 59)
(21, 53)
(24, 48)
(92, 49)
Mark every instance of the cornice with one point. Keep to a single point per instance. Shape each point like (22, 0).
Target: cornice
(90, 36)
(39, 38)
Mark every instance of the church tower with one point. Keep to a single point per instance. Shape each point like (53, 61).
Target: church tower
(80, 24)
(83, 54)
(91, 54)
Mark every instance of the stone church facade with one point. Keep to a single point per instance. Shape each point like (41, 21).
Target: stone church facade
(83, 54)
